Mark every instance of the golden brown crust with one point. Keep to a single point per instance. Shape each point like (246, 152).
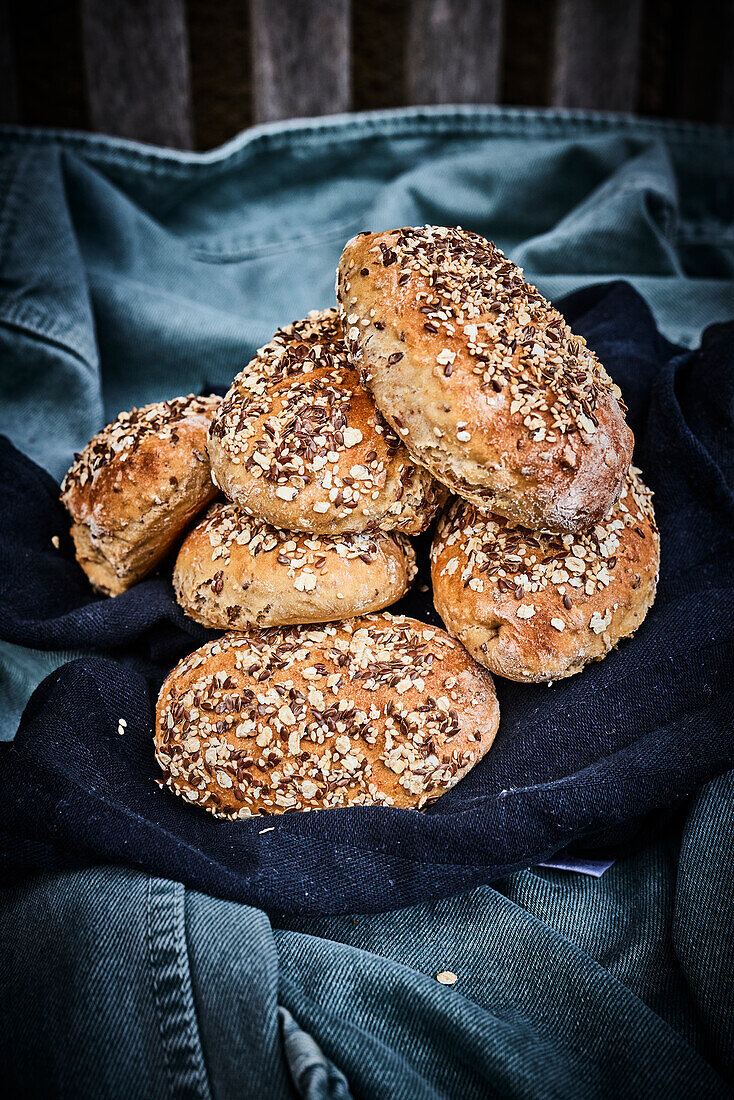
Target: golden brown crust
(136, 486)
(536, 606)
(234, 572)
(381, 710)
(299, 443)
(483, 380)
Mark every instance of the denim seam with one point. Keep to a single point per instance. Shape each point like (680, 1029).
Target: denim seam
(37, 325)
(242, 247)
(407, 122)
(22, 314)
(349, 130)
(7, 216)
(168, 960)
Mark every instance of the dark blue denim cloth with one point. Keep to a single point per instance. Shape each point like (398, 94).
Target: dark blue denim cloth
(635, 732)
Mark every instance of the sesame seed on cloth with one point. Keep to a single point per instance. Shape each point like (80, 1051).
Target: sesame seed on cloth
(381, 710)
(447, 977)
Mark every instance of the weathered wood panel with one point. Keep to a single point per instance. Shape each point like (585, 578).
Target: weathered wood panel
(454, 51)
(378, 54)
(221, 85)
(137, 66)
(194, 72)
(9, 109)
(301, 61)
(725, 107)
(701, 61)
(597, 54)
(687, 62)
(526, 60)
(49, 63)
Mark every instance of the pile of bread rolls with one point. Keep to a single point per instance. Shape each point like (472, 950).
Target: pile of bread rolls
(443, 385)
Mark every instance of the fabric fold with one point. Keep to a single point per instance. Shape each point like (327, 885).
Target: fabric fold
(132, 274)
(635, 732)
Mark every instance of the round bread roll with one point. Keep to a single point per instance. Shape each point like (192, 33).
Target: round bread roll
(234, 572)
(381, 710)
(534, 605)
(299, 443)
(482, 379)
(135, 488)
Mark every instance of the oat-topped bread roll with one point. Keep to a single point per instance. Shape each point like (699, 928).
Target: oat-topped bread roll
(135, 488)
(533, 605)
(381, 710)
(234, 572)
(299, 443)
(482, 378)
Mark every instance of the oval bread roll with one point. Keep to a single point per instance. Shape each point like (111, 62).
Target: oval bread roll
(136, 486)
(533, 605)
(381, 710)
(299, 443)
(482, 379)
(234, 572)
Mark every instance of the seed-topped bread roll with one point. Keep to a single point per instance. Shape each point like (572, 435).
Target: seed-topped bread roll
(234, 572)
(482, 379)
(299, 443)
(381, 710)
(533, 605)
(135, 488)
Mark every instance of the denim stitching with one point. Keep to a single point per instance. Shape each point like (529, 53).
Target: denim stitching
(395, 123)
(174, 1008)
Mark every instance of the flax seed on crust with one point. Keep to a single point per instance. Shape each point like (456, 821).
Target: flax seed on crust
(482, 378)
(537, 605)
(299, 443)
(234, 572)
(136, 486)
(381, 710)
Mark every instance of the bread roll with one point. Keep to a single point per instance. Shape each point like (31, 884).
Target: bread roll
(381, 710)
(299, 443)
(537, 605)
(234, 572)
(482, 379)
(134, 489)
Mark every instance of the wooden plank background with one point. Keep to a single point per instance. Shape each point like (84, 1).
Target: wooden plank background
(192, 73)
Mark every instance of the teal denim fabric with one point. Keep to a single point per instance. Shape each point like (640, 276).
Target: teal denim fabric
(114, 984)
(162, 272)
